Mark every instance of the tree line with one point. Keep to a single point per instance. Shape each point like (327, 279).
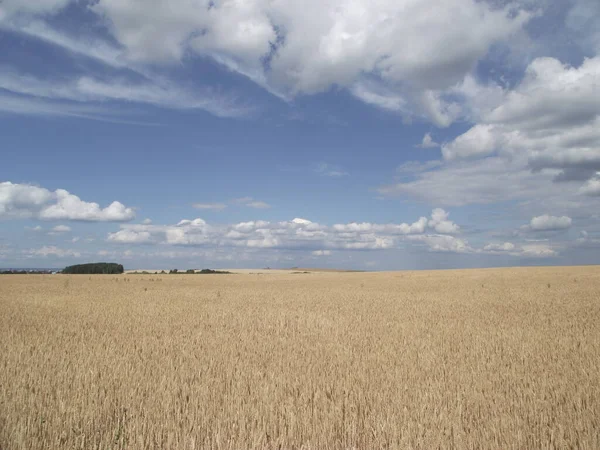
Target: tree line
(94, 268)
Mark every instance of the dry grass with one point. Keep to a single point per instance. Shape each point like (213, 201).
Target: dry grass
(498, 359)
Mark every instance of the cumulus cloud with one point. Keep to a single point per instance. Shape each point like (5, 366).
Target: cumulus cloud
(591, 187)
(28, 201)
(51, 250)
(388, 53)
(428, 142)
(547, 223)
(504, 247)
(482, 181)
(311, 46)
(440, 223)
(443, 243)
(131, 237)
(528, 250)
(295, 234)
(60, 229)
(543, 132)
(537, 251)
(552, 116)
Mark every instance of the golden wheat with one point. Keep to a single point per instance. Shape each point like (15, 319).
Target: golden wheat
(486, 359)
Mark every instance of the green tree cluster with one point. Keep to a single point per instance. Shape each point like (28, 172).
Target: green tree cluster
(94, 268)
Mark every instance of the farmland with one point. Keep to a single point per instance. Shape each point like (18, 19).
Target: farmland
(489, 359)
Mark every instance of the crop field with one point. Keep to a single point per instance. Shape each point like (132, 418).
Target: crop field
(474, 359)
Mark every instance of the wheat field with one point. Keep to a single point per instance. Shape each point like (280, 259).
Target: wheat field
(474, 359)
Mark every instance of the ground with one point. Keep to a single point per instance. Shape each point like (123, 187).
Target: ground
(495, 358)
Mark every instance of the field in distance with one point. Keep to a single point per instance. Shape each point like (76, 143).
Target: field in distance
(487, 359)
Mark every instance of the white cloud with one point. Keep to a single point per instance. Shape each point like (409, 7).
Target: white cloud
(586, 240)
(130, 237)
(532, 250)
(147, 221)
(61, 229)
(478, 141)
(27, 201)
(304, 46)
(51, 250)
(380, 96)
(299, 234)
(321, 253)
(428, 142)
(546, 223)
(258, 205)
(591, 187)
(440, 223)
(88, 47)
(71, 207)
(443, 243)
(298, 221)
(540, 140)
(329, 170)
(18, 200)
(242, 201)
(215, 206)
(37, 106)
(490, 180)
(552, 116)
(251, 203)
(537, 251)
(86, 89)
(504, 247)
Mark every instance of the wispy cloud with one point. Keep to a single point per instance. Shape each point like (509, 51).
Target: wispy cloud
(258, 205)
(250, 203)
(89, 48)
(329, 170)
(241, 201)
(214, 206)
(35, 106)
(87, 90)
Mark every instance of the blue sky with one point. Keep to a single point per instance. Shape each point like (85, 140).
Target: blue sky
(353, 134)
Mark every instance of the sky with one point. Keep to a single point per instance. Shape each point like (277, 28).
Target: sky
(370, 135)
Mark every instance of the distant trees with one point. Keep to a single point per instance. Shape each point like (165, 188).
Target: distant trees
(94, 268)
(192, 271)
(25, 272)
